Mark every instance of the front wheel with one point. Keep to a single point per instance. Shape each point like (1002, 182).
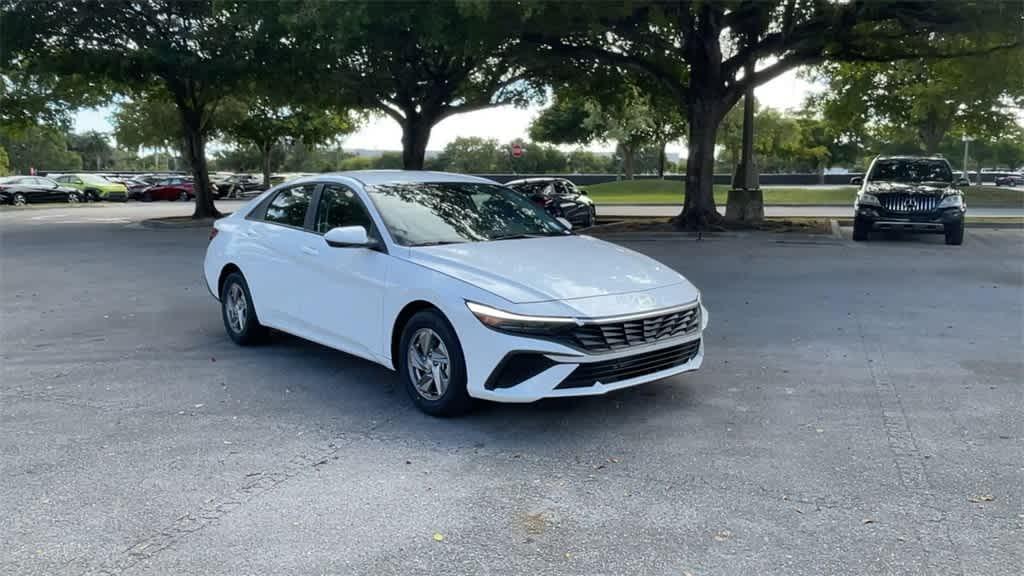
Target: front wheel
(183, 196)
(73, 199)
(238, 312)
(432, 365)
(955, 234)
(19, 199)
(861, 230)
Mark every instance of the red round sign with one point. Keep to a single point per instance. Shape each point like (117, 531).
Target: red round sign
(517, 150)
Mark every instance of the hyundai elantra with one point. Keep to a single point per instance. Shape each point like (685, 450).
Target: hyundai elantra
(463, 286)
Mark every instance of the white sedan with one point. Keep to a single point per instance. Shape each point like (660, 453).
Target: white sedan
(463, 286)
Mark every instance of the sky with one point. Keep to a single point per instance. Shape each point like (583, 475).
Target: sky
(504, 124)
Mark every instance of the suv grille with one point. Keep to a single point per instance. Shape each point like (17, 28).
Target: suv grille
(619, 369)
(614, 336)
(908, 203)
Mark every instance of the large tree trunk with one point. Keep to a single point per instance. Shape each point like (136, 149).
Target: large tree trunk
(265, 148)
(628, 160)
(195, 150)
(661, 160)
(699, 210)
(415, 135)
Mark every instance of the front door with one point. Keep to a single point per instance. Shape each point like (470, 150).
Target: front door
(347, 283)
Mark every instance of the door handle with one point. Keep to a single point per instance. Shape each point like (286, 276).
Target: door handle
(310, 251)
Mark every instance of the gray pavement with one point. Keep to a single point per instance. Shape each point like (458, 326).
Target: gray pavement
(859, 412)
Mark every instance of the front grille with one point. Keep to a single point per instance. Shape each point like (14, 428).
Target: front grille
(908, 203)
(595, 337)
(620, 369)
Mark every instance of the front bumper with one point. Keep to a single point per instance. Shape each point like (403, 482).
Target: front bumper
(930, 221)
(531, 369)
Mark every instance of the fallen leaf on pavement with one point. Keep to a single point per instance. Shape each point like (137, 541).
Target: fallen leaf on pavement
(982, 498)
(869, 521)
(438, 537)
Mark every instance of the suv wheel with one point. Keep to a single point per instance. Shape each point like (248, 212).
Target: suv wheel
(861, 230)
(432, 365)
(239, 314)
(955, 234)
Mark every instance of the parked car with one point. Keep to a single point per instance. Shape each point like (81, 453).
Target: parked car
(559, 197)
(94, 187)
(463, 286)
(134, 185)
(911, 193)
(1010, 180)
(240, 186)
(21, 190)
(176, 188)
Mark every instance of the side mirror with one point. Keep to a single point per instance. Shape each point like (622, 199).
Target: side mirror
(564, 222)
(347, 237)
(857, 180)
(963, 182)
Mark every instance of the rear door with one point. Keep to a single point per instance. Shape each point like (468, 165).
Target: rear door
(347, 284)
(270, 251)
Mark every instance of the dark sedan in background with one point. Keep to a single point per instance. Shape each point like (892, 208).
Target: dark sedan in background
(559, 197)
(239, 186)
(1010, 180)
(21, 190)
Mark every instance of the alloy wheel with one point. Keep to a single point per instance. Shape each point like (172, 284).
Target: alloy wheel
(429, 364)
(236, 307)
(19, 200)
(73, 198)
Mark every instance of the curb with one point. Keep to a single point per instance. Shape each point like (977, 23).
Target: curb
(166, 224)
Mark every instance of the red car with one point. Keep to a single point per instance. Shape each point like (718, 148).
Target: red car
(168, 189)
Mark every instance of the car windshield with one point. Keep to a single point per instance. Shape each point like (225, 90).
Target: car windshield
(911, 170)
(532, 187)
(423, 214)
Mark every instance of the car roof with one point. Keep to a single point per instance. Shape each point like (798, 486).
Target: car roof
(376, 177)
(912, 157)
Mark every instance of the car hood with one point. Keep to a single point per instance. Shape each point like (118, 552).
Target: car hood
(544, 269)
(931, 188)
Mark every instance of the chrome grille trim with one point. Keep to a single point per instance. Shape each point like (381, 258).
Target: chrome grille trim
(908, 203)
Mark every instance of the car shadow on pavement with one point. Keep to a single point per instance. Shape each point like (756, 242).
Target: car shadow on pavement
(348, 381)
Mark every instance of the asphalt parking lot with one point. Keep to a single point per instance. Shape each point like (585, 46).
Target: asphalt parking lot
(860, 411)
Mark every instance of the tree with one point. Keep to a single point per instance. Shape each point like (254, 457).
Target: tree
(93, 147)
(193, 52)
(932, 97)
(705, 55)
(263, 123)
(5, 162)
(148, 120)
(418, 63)
(473, 154)
(40, 147)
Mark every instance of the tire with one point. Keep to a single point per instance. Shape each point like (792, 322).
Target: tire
(147, 197)
(861, 230)
(236, 299)
(955, 234)
(591, 217)
(424, 327)
(92, 195)
(183, 196)
(73, 199)
(19, 199)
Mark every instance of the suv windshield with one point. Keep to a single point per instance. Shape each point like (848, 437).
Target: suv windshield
(427, 213)
(911, 170)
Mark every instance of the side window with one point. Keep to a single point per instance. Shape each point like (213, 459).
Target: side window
(563, 188)
(289, 206)
(340, 206)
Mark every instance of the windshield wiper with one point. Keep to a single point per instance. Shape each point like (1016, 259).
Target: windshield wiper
(522, 235)
(438, 243)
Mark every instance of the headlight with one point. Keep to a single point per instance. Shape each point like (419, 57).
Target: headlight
(519, 323)
(868, 200)
(952, 201)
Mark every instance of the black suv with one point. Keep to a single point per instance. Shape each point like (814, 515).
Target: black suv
(911, 193)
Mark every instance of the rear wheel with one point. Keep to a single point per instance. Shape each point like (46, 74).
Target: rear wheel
(432, 365)
(73, 199)
(955, 234)
(147, 197)
(861, 230)
(92, 196)
(239, 314)
(19, 199)
(183, 196)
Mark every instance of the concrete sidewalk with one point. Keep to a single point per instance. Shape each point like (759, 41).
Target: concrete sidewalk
(669, 210)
